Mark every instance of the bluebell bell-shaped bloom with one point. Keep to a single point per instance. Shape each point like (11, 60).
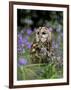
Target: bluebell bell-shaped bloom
(29, 31)
(22, 61)
(25, 40)
(20, 39)
(28, 45)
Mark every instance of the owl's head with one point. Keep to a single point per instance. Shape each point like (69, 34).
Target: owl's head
(43, 34)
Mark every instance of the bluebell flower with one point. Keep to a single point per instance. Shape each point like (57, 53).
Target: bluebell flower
(22, 61)
(26, 37)
(29, 31)
(25, 40)
(28, 45)
(20, 39)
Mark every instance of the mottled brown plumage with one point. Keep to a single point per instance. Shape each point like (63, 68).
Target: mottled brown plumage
(41, 48)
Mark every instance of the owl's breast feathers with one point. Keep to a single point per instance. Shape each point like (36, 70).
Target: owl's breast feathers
(35, 48)
(38, 47)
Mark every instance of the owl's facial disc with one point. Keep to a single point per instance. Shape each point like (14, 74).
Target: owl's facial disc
(42, 34)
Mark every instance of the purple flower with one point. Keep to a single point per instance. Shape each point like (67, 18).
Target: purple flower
(28, 45)
(20, 40)
(24, 40)
(29, 31)
(22, 61)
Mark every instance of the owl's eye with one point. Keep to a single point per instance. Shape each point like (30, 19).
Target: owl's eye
(37, 32)
(43, 33)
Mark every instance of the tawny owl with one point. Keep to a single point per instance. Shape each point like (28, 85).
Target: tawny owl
(42, 46)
